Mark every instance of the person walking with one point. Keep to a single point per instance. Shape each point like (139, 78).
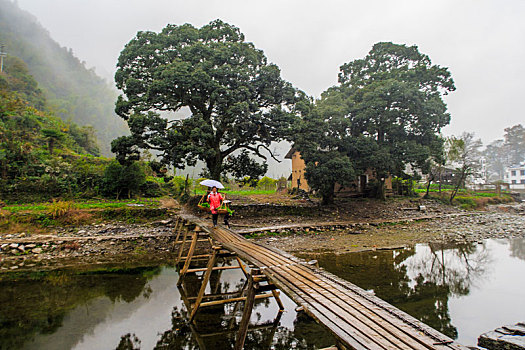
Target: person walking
(215, 199)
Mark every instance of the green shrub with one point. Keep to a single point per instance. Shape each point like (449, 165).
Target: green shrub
(266, 183)
(119, 179)
(59, 208)
(151, 189)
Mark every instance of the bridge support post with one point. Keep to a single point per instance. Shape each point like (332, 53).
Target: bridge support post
(205, 279)
(190, 254)
(177, 229)
(248, 307)
(184, 230)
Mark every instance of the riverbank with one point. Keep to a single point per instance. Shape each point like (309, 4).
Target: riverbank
(353, 225)
(96, 244)
(501, 221)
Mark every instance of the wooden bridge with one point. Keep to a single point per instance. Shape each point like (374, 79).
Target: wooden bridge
(356, 318)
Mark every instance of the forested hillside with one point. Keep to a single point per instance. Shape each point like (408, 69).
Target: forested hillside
(41, 155)
(73, 92)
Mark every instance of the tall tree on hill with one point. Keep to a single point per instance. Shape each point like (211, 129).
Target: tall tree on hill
(237, 100)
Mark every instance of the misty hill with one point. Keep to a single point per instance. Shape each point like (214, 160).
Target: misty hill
(73, 92)
(40, 154)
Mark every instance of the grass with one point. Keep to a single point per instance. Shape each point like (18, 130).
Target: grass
(461, 191)
(249, 192)
(472, 200)
(91, 204)
(38, 217)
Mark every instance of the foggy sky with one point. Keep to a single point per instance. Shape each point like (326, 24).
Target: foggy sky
(482, 42)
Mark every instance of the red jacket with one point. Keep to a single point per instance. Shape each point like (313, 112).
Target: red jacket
(215, 200)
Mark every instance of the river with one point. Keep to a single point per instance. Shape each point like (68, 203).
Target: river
(461, 290)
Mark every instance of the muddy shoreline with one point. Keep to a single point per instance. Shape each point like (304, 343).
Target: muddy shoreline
(385, 226)
(474, 227)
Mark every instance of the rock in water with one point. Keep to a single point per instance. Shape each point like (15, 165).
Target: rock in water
(504, 338)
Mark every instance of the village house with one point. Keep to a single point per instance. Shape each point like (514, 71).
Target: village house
(358, 187)
(515, 176)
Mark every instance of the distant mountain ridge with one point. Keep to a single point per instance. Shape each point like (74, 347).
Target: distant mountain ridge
(73, 92)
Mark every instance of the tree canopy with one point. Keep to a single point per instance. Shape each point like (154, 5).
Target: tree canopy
(237, 100)
(386, 112)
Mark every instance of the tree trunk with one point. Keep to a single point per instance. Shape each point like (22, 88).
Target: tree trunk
(458, 185)
(328, 196)
(50, 145)
(214, 165)
(381, 190)
(440, 178)
(427, 194)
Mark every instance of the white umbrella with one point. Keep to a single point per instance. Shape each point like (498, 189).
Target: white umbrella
(211, 183)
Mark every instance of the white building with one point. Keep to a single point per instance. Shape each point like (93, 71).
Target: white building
(515, 176)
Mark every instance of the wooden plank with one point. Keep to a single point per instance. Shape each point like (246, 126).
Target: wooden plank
(415, 334)
(360, 311)
(337, 304)
(182, 242)
(283, 262)
(360, 301)
(344, 318)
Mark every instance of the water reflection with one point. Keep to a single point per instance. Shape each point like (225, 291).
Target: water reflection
(140, 308)
(37, 304)
(435, 282)
(517, 248)
(461, 290)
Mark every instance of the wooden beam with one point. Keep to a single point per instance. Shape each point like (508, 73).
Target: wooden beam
(214, 268)
(181, 247)
(203, 256)
(278, 299)
(234, 300)
(188, 258)
(241, 265)
(219, 296)
(182, 242)
(205, 279)
(245, 321)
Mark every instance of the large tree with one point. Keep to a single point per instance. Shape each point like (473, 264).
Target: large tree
(393, 99)
(322, 141)
(238, 101)
(386, 112)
